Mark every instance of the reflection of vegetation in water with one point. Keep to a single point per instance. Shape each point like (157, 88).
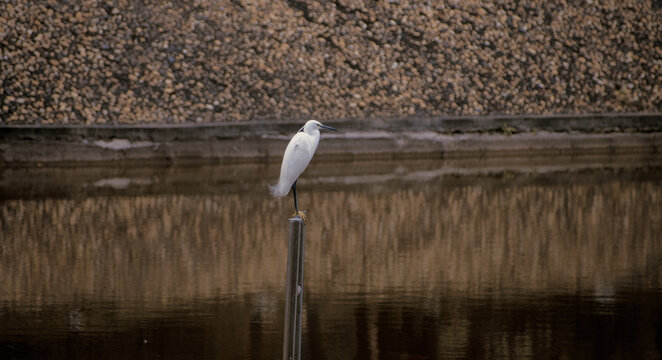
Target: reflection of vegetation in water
(470, 238)
(587, 232)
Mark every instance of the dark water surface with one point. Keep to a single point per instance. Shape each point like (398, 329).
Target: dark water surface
(548, 258)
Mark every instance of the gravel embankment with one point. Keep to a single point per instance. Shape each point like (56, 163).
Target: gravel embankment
(125, 62)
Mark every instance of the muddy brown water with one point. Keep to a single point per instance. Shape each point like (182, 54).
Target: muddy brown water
(543, 258)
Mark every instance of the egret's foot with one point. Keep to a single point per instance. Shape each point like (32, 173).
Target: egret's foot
(300, 214)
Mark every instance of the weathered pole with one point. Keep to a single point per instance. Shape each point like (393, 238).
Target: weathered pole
(294, 290)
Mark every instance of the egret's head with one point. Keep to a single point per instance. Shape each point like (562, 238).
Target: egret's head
(312, 125)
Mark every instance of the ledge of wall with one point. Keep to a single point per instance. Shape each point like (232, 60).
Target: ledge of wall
(430, 137)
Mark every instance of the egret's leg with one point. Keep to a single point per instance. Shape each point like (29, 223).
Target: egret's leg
(296, 204)
(294, 191)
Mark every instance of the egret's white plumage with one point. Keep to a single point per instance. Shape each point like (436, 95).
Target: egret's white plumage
(297, 156)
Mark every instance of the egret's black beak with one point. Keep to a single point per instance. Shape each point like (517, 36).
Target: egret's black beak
(328, 128)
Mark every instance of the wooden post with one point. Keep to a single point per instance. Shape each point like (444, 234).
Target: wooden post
(294, 290)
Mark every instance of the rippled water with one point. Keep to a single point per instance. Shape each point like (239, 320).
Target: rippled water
(546, 258)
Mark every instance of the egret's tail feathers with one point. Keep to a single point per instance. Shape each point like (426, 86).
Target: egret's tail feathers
(278, 191)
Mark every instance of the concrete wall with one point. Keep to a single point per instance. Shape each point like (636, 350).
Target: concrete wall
(385, 138)
(125, 62)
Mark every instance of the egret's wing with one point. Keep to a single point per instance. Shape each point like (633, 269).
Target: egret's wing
(295, 160)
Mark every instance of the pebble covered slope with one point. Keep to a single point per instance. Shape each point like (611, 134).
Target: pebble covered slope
(126, 61)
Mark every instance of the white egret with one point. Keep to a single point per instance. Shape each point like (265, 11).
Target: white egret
(295, 160)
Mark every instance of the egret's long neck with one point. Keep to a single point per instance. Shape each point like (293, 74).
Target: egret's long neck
(316, 138)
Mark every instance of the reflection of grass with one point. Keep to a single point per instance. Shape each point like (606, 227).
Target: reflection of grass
(500, 233)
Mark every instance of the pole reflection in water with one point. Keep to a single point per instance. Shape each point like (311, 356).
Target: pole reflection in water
(403, 260)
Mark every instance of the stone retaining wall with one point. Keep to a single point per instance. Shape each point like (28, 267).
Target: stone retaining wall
(126, 62)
